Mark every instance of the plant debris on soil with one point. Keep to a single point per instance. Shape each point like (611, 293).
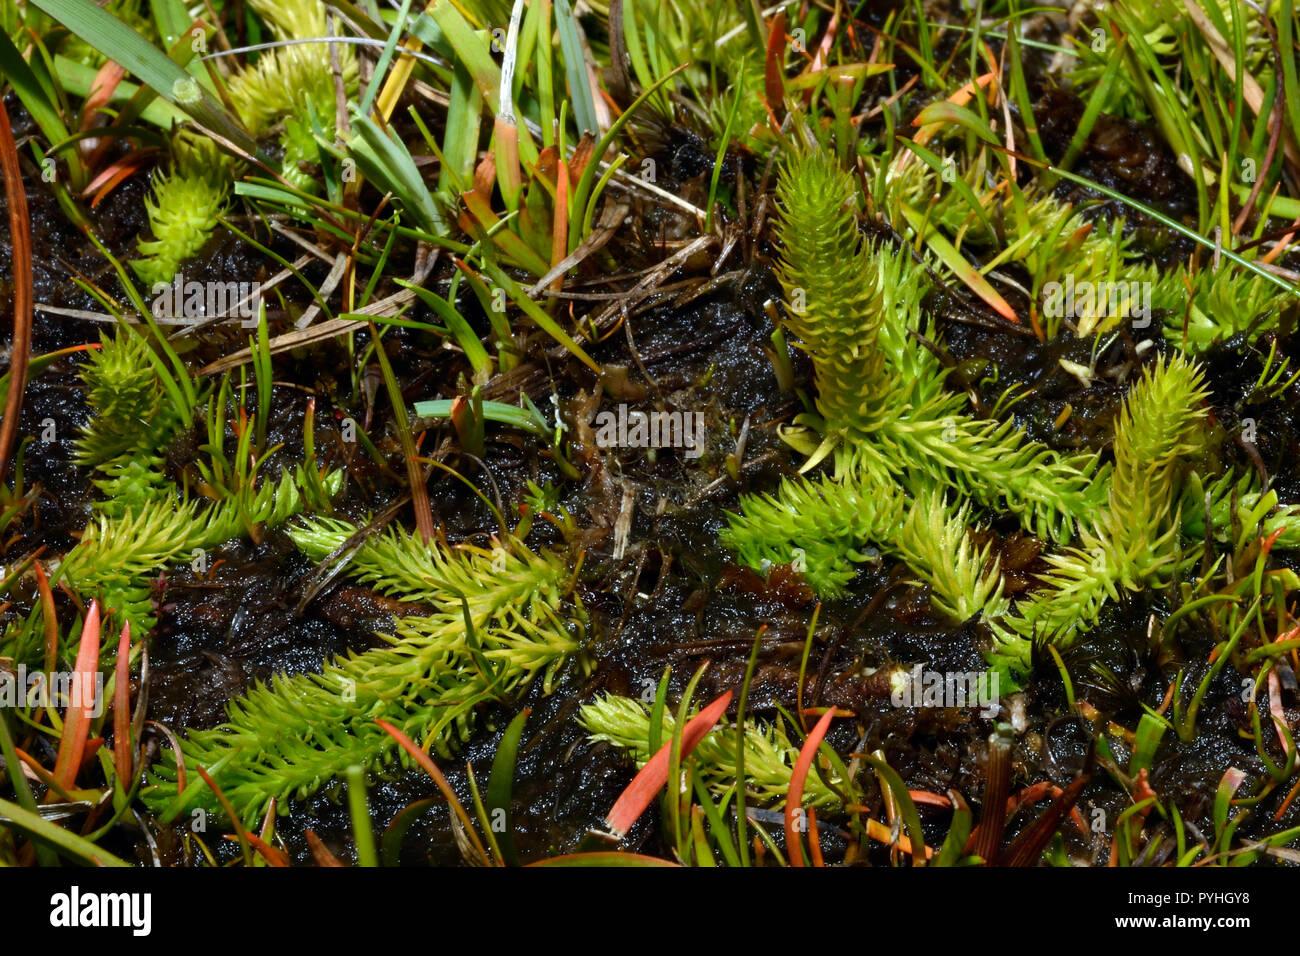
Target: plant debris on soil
(516, 433)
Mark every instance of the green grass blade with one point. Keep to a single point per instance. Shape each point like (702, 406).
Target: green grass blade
(473, 51)
(906, 808)
(1092, 111)
(456, 324)
(1177, 227)
(22, 789)
(578, 202)
(359, 808)
(385, 58)
(67, 842)
(540, 318)
(501, 786)
(575, 68)
(1290, 85)
(45, 114)
(387, 162)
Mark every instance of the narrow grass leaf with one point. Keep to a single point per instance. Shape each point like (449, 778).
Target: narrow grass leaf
(651, 778)
(76, 721)
(794, 811)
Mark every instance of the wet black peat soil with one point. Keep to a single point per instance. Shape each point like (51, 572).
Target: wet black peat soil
(664, 593)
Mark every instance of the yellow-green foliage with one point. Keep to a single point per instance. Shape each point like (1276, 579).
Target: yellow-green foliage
(1135, 539)
(885, 413)
(832, 298)
(904, 444)
(1213, 305)
(500, 619)
(134, 418)
(287, 83)
(285, 79)
(182, 208)
(935, 542)
(143, 525)
(820, 525)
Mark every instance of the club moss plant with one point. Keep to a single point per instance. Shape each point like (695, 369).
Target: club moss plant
(145, 524)
(602, 161)
(182, 207)
(291, 89)
(291, 80)
(290, 92)
(1047, 237)
(1210, 306)
(884, 414)
(855, 306)
(1136, 539)
(911, 465)
(501, 619)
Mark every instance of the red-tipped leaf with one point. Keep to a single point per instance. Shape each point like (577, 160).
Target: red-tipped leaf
(645, 786)
(794, 798)
(77, 717)
(122, 709)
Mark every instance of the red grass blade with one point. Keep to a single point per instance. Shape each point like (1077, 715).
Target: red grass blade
(76, 720)
(321, 853)
(273, 855)
(45, 777)
(773, 80)
(241, 833)
(883, 834)
(426, 763)
(929, 799)
(113, 176)
(560, 222)
(580, 158)
(814, 839)
(101, 91)
(986, 839)
(49, 618)
(21, 240)
(1028, 846)
(122, 709)
(505, 142)
(606, 858)
(650, 779)
(794, 799)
